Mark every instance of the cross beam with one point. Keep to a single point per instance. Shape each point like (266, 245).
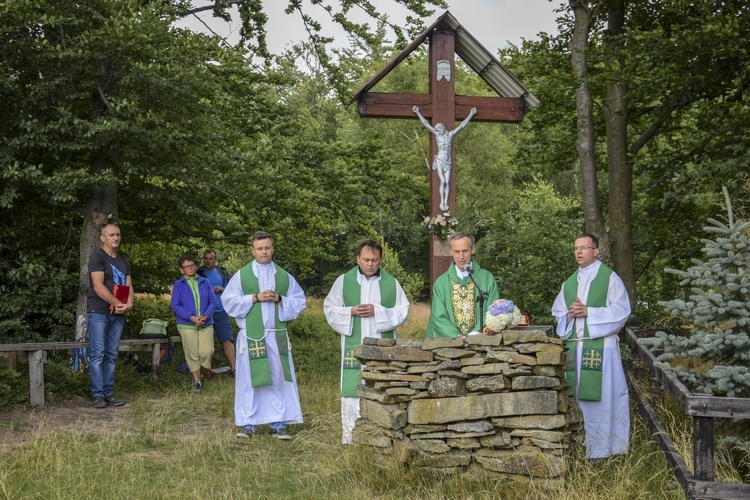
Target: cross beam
(489, 109)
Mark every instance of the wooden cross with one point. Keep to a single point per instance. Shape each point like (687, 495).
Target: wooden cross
(441, 105)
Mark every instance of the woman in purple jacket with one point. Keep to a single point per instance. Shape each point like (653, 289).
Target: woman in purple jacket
(194, 301)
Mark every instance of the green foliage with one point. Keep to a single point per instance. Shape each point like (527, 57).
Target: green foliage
(528, 247)
(14, 388)
(308, 326)
(317, 352)
(103, 93)
(715, 357)
(60, 383)
(151, 306)
(36, 297)
(683, 65)
(414, 285)
(154, 263)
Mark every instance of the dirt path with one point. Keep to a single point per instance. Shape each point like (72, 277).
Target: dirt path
(22, 424)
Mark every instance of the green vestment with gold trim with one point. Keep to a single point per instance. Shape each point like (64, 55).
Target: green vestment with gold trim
(453, 312)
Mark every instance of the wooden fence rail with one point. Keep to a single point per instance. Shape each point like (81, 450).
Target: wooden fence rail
(37, 352)
(703, 409)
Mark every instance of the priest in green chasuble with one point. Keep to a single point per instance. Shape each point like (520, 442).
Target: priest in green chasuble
(455, 309)
(364, 302)
(591, 308)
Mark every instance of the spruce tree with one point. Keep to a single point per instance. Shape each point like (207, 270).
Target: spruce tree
(715, 358)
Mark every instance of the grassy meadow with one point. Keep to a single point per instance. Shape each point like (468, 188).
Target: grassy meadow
(168, 443)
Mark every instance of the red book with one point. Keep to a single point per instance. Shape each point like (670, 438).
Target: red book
(122, 292)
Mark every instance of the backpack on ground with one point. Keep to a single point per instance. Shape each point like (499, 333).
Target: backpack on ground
(154, 328)
(79, 357)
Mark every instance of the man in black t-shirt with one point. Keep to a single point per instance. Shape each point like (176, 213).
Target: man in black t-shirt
(105, 314)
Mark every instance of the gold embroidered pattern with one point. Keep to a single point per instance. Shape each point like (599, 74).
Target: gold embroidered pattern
(463, 299)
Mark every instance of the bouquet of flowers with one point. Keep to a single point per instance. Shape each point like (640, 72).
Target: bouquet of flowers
(442, 224)
(501, 315)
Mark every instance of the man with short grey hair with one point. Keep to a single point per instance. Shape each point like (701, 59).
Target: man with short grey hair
(219, 277)
(455, 310)
(109, 297)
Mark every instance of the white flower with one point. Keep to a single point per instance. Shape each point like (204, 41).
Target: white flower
(501, 321)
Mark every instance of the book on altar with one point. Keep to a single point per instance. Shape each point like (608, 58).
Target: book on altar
(122, 293)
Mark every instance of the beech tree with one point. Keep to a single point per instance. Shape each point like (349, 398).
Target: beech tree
(102, 100)
(107, 110)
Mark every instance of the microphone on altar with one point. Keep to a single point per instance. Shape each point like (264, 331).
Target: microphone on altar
(469, 270)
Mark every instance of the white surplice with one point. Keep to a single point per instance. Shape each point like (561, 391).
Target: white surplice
(341, 320)
(278, 402)
(607, 421)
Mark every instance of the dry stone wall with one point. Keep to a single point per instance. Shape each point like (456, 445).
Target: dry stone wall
(500, 403)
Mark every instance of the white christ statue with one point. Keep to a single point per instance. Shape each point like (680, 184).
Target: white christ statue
(443, 159)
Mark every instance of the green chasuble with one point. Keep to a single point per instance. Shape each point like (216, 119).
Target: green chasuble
(260, 370)
(449, 291)
(590, 386)
(352, 294)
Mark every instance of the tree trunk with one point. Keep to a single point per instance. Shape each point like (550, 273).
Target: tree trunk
(583, 19)
(100, 209)
(619, 163)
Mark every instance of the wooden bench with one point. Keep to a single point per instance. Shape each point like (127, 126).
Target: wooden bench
(37, 352)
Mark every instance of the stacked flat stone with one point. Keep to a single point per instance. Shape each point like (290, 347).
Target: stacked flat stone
(500, 403)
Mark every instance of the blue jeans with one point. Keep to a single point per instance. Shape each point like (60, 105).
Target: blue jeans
(104, 333)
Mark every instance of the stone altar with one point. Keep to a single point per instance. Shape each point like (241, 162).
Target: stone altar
(500, 403)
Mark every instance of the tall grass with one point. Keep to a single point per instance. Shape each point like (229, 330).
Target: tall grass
(168, 443)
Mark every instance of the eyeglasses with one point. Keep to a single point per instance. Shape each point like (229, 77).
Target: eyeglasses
(188, 266)
(583, 247)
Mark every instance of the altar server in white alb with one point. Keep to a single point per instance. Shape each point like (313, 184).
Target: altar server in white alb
(262, 297)
(591, 308)
(364, 302)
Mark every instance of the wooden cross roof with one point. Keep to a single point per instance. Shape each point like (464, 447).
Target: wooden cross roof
(473, 53)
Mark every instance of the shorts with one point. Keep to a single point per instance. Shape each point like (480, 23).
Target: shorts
(223, 326)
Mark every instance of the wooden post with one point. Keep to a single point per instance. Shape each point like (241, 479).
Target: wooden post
(156, 350)
(703, 448)
(443, 92)
(36, 378)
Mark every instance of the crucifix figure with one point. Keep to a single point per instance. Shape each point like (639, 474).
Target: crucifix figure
(443, 161)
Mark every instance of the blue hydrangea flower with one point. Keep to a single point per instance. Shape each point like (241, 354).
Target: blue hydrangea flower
(502, 306)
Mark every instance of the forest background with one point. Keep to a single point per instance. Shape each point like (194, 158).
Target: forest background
(110, 112)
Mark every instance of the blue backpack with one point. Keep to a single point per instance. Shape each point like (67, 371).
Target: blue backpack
(79, 357)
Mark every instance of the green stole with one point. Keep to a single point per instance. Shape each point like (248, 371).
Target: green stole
(352, 292)
(260, 370)
(590, 387)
